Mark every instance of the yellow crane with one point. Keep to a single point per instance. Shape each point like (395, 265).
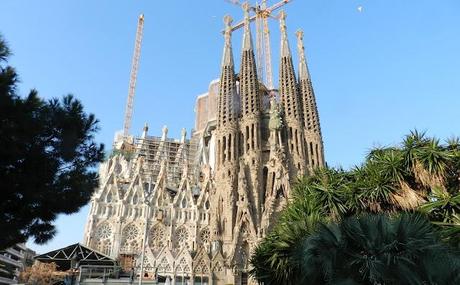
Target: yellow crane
(133, 76)
(263, 49)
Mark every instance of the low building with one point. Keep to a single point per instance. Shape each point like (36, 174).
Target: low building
(12, 262)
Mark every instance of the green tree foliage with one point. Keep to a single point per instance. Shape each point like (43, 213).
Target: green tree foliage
(419, 175)
(47, 159)
(374, 249)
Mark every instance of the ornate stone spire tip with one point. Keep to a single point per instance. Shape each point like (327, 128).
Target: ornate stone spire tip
(299, 34)
(246, 7)
(228, 21)
(282, 18)
(227, 55)
(285, 52)
(303, 68)
(247, 41)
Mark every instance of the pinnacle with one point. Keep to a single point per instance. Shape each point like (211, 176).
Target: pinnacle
(227, 58)
(285, 51)
(303, 68)
(247, 40)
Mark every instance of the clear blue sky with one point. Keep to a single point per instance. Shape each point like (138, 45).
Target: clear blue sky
(377, 73)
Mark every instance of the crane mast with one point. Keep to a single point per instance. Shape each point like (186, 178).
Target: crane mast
(133, 76)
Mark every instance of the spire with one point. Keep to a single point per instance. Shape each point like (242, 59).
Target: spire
(227, 58)
(312, 129)
(249, 84)
(164, 133)
(145, 130)
(247, 40)
(228, 105)
(183, 135)
(288, 89)
(287, 80)
(285, 50)
(307, 95)
(303, 68)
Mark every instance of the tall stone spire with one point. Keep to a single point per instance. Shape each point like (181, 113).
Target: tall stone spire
(227, 141)
(249, 84)
(291, 103)
(250, 122)
(247, 39)
(228, 104)
(287, 80)
(312, 129)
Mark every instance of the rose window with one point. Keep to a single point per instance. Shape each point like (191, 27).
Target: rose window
(182, 235)
(205, 234)
(156, 237)
(104, 232)
(131, 232)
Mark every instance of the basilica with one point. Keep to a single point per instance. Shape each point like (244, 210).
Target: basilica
(193, 209)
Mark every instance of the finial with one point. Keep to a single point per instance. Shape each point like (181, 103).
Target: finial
(145, 130)
(247, 41)
(303, 68)
(227, 59)
(285, 52)
(299, 34)
(264, 4)
(183, 134)
(245, 7)
(228, 27)
(300, 46)
(165, 133)
(282, 17)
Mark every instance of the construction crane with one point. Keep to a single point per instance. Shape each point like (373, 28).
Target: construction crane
(263, 49)
(133, 77)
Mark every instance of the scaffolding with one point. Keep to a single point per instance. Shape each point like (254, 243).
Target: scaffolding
(175, 155)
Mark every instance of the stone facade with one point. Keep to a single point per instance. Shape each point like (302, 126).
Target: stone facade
(202, 204)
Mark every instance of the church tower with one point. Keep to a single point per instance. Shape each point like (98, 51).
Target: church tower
(313, 140)
(249, 175)
(292, 106)
(227, 154)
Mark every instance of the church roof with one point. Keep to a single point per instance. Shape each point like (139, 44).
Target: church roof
(77, 253)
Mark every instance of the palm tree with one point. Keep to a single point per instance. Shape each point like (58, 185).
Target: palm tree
(420, 174)
(375, 249)
(328, 188)
(273, 261)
